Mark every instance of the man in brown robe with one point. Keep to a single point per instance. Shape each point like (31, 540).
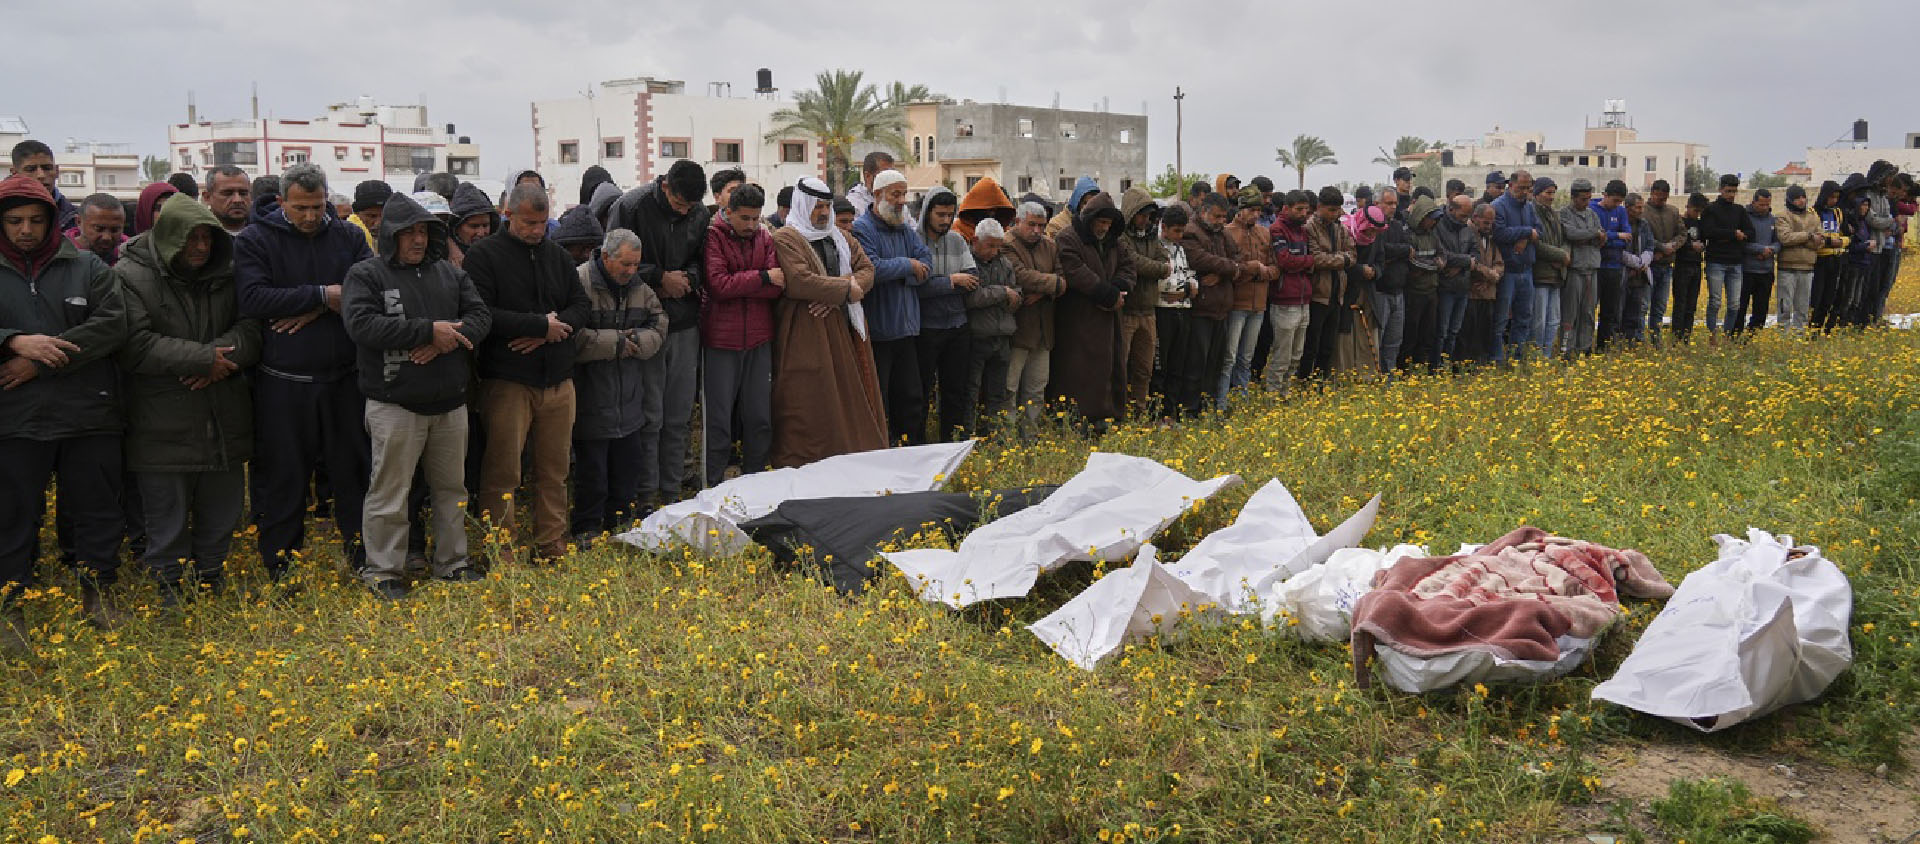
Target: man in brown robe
(1086, 366)
(826, 396)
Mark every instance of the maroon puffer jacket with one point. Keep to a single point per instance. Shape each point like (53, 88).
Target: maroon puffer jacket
(736, 312)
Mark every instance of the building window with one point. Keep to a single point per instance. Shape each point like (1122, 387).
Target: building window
(339, 153)
(73, 179)
(1653, 163)
(971, 181)
(962, 129)
(793, 152)
(673, 149)
(463, 166)
(1026, 184)
(569, 152)
(726, 152)
(1066, 183)
(1540, 160)
(1566, 161)
(403, 158)
(1024, 128)
(108, 180)
(186, 158)
(366, 153)
(235, 153)
(1069, 131)
(613, 149)
(294, 156)
(1126, 136)
(930, 155)
(1126, 185)
(1583, 161)
(916, 149)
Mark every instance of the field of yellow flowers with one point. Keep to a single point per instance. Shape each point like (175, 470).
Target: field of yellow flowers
(622, 696)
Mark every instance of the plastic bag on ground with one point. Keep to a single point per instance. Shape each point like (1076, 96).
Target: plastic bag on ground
(1106, 512)
(709, 522)
(1320, 600)
(1762, 627)
(1127, 605)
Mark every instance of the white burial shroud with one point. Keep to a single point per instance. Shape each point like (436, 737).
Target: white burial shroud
(1105, 513)
(708, 521)
(1230, 571)
(1743, 636)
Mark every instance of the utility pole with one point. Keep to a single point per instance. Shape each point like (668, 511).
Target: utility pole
(1179, 166)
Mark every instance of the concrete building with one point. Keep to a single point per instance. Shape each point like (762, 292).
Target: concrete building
(353, 142)
(637, 128)
(1646, 161)
(1796, 173)
(1024, 148)
(1610, 148)
(13, 130)
(88, 168)
(1836, 164)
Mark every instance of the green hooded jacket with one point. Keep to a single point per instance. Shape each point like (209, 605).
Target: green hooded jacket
(177, 318)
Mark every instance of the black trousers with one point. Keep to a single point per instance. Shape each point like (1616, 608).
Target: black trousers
(1420, 343)
(606, 483)
(1825, 309)
(902, 396)
(1613, 297)
(296, 425)
(1317, 358)
(1756, 294)
(89, 477)
(946, 358)
(1177, 367)
(1686, 298)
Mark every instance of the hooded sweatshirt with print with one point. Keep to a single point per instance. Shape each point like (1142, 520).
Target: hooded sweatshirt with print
(176, 318)
(390, 309)
(1833, 221)
(60, 291)
(943, 308)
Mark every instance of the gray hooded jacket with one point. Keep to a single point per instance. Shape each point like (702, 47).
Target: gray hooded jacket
(943, 307)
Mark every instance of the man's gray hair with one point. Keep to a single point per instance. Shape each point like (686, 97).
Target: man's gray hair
(989, 228)
(1480, 206)
(617, 239)
(531, 195)
(307, 177)
(1032, 209)
(1385, 191)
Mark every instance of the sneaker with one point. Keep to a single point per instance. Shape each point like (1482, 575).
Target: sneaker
(464, 574)
(392, 590)
(417, 565)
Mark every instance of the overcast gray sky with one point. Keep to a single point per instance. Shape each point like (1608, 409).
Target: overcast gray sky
(1735, 75)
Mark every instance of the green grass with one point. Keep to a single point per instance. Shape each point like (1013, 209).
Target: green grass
(1717, 811)
(624, 696)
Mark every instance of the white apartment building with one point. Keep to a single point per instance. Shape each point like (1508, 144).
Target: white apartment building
(87, 168)
(637, 128)
(352, 142)
(1836, 164)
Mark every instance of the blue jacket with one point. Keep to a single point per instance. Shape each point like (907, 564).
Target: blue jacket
(279, 272)
(1513, 220)
(1612, 222)
(893, 306)
(1763, 238)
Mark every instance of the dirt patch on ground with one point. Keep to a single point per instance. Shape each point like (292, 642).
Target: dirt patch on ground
(1850, 806)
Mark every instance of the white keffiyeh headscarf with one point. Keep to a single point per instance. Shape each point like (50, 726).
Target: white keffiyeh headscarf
(807, 193)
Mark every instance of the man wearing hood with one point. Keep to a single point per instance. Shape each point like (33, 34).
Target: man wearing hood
(1549, 267)
(533, 295)
(601, 203)
(1213, 258)
(1727, 228)
(985, 200)
(229, 193)
(265, 194)
(147, 207)
(578, 233)
(416, 319)
(1087, 371)
(1139, 332)
(1756, 272)
(61, 316)
(369, 202)
(1884, 228)
(945, 350)
(101, 223)
(1421, 345)
(1036, 271)
(1334, 253)
(672, 224)
(744, 280)
(902, 266)
(625, 326)
(288, 270)
(1082, 188)
(861, 195)
(190, 420)
(1828, 309)
(590, 181)
(826, 400)
(1459, 254)
(1252, 246)
(1801, 236)
(34, 160)
(474, 217)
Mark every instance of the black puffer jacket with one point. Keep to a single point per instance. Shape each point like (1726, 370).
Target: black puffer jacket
(668, 242)
(390, 310)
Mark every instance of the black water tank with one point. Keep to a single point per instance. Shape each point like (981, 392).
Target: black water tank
(465, 140)
(449, 128)
(1532, 147)
(763, 79)
(1859, 131)
(1446, 158)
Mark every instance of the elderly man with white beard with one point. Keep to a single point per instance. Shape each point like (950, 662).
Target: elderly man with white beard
(902, 274)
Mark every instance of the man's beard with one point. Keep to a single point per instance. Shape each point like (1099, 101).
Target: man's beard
(888, 213)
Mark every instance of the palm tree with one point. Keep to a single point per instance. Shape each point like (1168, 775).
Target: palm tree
(1407, 145)
(841, 112)
(900, 93)
(1308, 151)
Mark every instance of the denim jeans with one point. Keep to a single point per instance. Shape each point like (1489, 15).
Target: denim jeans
(1512, 313)
(1723, 284)
(1658, 293)
(1546, 318)
(1453, 312)
(1236, 358)
(1390, 312)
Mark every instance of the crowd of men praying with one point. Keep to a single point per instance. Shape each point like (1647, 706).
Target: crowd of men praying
(411, 365)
